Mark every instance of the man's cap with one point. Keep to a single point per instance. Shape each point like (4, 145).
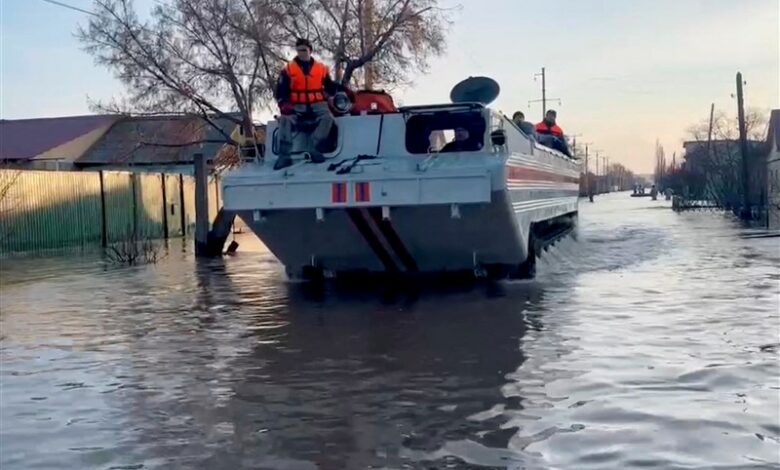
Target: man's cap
(552, 111)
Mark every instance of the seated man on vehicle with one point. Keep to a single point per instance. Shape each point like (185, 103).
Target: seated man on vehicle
(302, 92)
(550, 134)
(518, 118)
(462, 142)
(528, 129)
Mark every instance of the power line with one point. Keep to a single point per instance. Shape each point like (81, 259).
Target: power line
(70, 7)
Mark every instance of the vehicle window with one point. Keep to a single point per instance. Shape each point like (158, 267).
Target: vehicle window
(445, 132)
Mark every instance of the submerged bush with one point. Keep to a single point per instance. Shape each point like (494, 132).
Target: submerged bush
(134, 251)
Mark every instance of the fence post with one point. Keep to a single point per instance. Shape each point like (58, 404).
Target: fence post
(135, 204)
(164, 207)
(216, 191)
(182, 215)
(103, 221)
(201, 205)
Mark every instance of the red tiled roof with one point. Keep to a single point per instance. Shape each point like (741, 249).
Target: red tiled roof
(22, 139)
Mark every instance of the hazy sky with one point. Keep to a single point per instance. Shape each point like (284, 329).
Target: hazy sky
(626, 71)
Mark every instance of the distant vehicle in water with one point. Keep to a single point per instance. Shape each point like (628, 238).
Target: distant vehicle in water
(390, 199)
(639, 191)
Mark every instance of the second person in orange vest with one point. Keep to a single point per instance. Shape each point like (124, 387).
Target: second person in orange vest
(302, 93)
(550, 134)
(548, 125)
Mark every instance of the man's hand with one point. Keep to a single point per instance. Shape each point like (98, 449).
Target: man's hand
(286, 108)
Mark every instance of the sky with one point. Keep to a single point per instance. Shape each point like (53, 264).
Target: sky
(627, 72)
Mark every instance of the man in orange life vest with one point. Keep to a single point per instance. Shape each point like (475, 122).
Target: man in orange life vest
(548, 127)
(302, 92)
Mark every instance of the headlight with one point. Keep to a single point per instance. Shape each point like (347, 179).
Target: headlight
(341, 102)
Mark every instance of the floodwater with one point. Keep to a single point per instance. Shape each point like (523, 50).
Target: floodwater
(650, 341)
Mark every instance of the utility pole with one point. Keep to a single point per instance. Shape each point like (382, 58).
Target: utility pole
(708, 159)
(201, 205)
(574, 143)
(544, 93)
(709, 133)
(588, 188)
(587, 182)
(745, 212)
(598, 178)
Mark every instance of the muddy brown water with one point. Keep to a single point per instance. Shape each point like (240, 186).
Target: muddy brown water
(649, 341)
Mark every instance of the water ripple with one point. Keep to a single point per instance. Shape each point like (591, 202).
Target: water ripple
(649, 341)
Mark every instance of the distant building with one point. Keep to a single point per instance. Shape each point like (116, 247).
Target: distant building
(107, 177)
(158, 143)
(773, 170)
(50, 143)
(106, 142)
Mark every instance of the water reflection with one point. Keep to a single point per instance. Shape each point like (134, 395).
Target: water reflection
(361, 379)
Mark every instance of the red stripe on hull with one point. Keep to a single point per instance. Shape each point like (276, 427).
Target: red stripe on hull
(531, 174)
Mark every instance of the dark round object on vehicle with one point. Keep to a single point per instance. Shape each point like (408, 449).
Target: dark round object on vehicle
(342, 102)
(498, 137)
(482, 90)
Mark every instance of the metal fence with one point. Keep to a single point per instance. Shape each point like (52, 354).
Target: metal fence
(42, 210)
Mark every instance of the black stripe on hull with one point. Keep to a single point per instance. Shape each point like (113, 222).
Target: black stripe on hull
(376, 246)
(394, 240)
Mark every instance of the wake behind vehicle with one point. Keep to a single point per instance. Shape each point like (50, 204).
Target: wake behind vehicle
(393, 198)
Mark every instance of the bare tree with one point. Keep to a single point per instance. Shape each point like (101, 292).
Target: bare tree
(220, 59)
(621, 176)
(660, 162)
(374, 41)
(210, 58)
(726, 127)
(714, 165)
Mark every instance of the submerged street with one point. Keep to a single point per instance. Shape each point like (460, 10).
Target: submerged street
(648, 340)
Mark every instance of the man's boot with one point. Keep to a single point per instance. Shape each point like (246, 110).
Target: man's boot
(316, 156)
(282, 162)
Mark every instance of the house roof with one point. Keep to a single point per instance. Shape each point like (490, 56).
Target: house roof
(774, 129)
(57, 138)
(157, 140)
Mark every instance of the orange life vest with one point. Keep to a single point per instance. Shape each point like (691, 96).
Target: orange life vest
(543, 128)
(306, 88)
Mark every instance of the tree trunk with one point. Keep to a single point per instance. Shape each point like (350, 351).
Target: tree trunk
(368, 32)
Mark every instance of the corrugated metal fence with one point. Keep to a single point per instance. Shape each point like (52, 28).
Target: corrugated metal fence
(42, 210)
